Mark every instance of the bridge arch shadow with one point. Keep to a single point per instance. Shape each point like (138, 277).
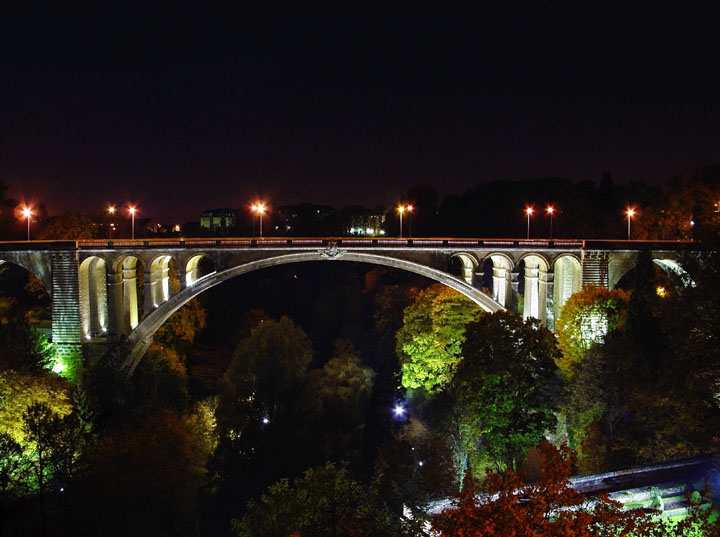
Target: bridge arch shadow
(141, 337)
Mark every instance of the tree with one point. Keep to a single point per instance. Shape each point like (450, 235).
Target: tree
(21, 347)
(69, 226)
(266, 367)
(41, 428)
(585, 319)
(12, 473)
(335, 401)
(551, 507)
(507, 386)
(323, 502)
(431, 337)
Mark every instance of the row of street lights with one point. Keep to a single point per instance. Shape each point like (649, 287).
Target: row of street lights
(259, 208)
(550, 210)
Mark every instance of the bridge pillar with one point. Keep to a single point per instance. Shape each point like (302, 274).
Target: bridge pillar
(550, 300)
(514, 290)
(595, 268)
(502, 285)
(151, 289)
(114, 301)
(66, 325)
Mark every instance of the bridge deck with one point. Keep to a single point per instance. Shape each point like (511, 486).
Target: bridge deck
(349, 242)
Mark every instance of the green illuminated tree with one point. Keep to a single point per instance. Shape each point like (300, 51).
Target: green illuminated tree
(506, 387)
(585, 319)
(430, 340)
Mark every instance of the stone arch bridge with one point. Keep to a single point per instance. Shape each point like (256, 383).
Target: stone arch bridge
(124, 290)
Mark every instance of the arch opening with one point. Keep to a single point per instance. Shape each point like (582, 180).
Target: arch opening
(463, 266)
(534, 287)
(567, 281)
(198, 267)
(163, 279)
(93, 297)
(129, 278)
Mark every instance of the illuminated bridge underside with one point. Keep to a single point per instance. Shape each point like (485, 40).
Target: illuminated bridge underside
(126, 290)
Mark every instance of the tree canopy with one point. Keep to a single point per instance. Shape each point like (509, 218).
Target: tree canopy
(430, 340)
(507, 386)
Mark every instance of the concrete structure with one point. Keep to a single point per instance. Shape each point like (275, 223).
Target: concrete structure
(124, 290)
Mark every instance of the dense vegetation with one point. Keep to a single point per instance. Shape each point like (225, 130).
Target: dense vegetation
(338, 399)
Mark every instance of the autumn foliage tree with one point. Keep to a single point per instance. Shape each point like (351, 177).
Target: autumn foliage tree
(551, 507)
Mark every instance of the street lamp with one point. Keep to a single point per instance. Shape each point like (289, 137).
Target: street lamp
(132, 217)
(550, 210)
(111, 212)
(27, 213)
(409, 210)
(259, 208)
(401, 210)
(528, 212)
(630, 214)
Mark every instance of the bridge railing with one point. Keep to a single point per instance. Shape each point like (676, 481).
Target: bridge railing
(357, 242)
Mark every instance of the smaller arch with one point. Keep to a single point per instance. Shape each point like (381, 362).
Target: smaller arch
(92, 282)
(567, 278)
(466, 268)
(535, 286)
(501, 277)
(197, 267)
(160, 280)
(128, 276)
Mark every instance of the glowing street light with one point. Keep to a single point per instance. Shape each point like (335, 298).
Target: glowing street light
(399, 411)
(630, 213)
(111, 212)
(259, 208)
(401, 210)
(409, 210)
(550, 210)
(133, 210)
(27, 213)
(528, 212)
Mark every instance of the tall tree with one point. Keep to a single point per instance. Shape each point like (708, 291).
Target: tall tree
(507, 386)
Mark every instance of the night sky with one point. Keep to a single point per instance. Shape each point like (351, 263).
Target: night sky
(184, 111)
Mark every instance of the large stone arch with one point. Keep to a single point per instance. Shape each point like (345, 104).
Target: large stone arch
(671, 266)
(34, 264)
(92, 283)
(141, 336)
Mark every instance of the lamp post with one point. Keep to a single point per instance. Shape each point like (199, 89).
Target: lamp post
(259, 208)
(27, 213)
(409, 210)
(111, 212)
(630, 214)
(401, 210)
(132, 217)
(550, 210)
(528, 212)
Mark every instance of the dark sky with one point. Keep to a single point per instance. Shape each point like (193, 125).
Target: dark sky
(180, 112)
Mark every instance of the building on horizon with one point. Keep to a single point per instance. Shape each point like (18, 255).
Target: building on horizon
(218, 221)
